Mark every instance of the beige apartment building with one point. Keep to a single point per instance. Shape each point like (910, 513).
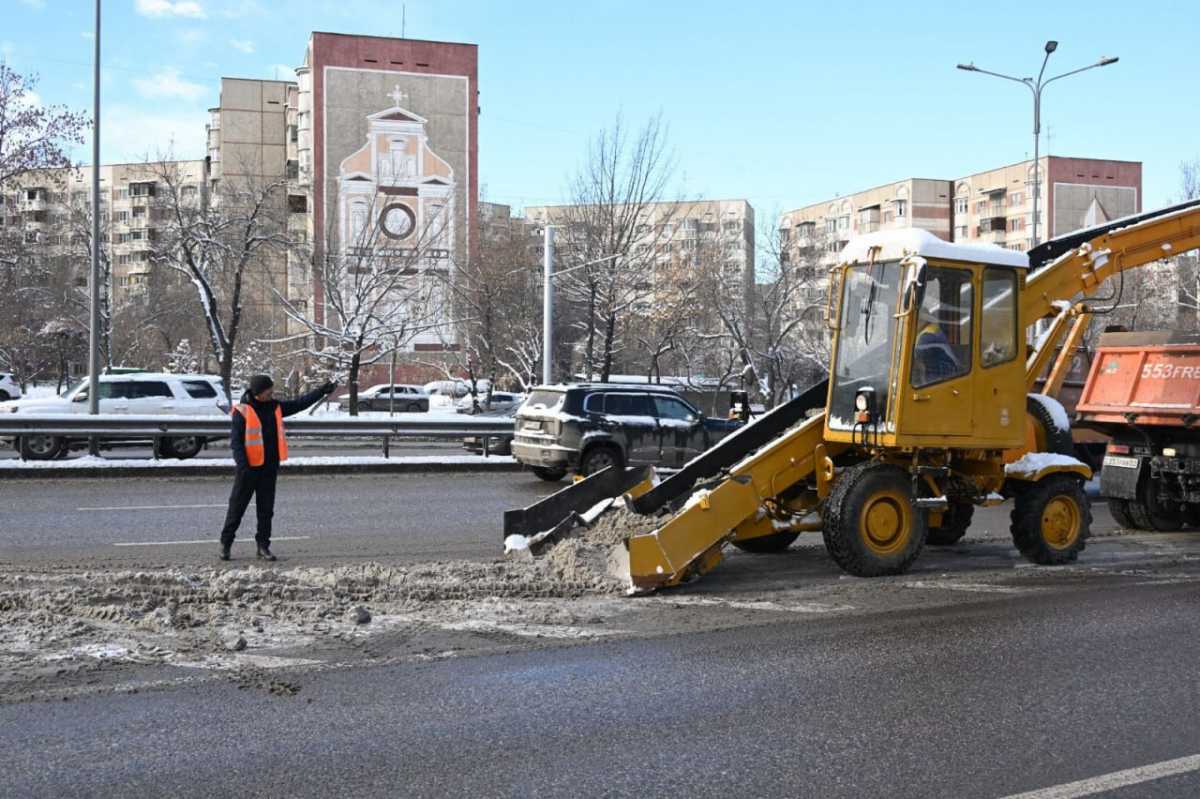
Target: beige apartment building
(674, 235)
(52, 209)
(994, 206)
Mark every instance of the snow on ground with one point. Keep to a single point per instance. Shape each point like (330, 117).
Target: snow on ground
(89, 462)
(39, 392)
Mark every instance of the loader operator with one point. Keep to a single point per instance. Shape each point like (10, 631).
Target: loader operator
(258, 443)
(933, 356)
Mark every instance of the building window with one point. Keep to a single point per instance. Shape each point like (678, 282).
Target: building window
(960, 205)
(901, 208)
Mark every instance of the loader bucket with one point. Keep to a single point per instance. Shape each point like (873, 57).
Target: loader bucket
(545, 520)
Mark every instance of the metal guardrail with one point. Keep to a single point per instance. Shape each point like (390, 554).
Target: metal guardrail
(128, 426)
(122, 425)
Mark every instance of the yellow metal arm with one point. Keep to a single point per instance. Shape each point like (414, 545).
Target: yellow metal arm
(1082, 270)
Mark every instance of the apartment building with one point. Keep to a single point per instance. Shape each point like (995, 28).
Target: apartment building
(994, 206)
(52, 209)
(673, 236)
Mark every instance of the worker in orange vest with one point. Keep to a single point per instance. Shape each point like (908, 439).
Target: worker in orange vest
(259, 444)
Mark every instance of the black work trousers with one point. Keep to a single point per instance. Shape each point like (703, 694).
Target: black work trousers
(260, 484)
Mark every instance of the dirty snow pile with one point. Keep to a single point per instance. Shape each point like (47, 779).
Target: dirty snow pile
(177, 614)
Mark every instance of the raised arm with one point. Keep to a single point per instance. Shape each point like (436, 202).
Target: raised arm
(294, 406)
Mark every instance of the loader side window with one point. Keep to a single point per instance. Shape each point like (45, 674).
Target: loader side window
(942, 349)
(998, 328)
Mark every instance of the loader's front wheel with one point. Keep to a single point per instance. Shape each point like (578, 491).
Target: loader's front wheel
(871, 527)
(955, 521)
(1051, 520)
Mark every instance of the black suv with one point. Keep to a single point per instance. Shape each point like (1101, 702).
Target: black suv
(585, 427)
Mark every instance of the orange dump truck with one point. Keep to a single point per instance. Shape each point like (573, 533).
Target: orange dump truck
(1143, 391)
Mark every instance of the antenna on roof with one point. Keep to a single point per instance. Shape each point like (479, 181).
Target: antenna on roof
(403, 18)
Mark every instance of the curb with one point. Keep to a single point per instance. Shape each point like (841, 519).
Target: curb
(226, 471)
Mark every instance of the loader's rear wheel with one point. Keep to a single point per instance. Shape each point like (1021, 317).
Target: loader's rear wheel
(955, 522)
(1119, 508)
(1042, 434)
(871, 527)
(1051, 520)
(767, 544)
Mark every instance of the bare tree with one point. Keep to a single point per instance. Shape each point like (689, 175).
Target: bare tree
(33, 136)
(221, 243)
(617, 222)
(378, 296)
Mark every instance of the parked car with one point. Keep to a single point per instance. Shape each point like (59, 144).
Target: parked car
(586, 427)
(389, 396)
(497, 445)
(482, 403)
(9, 389)
(455, 389)
(144, 393)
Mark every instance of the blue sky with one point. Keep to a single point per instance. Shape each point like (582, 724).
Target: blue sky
(783, 103)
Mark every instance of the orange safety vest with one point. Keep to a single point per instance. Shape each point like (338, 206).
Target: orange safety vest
(256, 454)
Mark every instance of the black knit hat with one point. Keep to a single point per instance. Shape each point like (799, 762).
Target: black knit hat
(260, 383)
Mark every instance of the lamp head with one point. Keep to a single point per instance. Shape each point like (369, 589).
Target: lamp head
(968, 67)
(1051, 46)
(1108, 59)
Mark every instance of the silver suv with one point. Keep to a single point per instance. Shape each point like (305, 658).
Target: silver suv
(587, 427)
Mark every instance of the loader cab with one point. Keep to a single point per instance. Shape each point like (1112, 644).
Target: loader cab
(927, 344)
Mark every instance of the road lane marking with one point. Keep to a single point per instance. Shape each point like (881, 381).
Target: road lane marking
(155, 507)
(976, 588)
(1117, 779)
(212, 540)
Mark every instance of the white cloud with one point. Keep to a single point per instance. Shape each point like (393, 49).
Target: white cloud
(168, 84)
(87, 35)
(129, 133)
(237, 9)
(35, 4)
(245, 45)
(167, 8)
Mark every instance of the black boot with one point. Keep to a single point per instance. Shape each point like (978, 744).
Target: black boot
(225, 551)
(264, 552)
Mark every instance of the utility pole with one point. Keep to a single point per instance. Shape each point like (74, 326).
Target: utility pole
(94, 310)
(548, 306)
(1036, 86)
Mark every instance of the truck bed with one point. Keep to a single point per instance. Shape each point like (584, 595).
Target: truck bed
(1143, 379)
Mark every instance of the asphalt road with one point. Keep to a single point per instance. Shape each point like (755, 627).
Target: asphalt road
(318, 519)
(986, 698)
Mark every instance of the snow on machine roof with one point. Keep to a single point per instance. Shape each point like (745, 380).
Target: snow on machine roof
(896, 244)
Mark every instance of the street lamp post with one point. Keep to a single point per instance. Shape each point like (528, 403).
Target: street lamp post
(548, 275)
(1036, 86)
(94, 309)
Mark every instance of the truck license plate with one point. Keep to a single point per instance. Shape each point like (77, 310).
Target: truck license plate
(1120, 461)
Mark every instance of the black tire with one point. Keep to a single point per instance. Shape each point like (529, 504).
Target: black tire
(1148, 514)
(1119, 508)
(768, 544)
(551, 474)
(412, 407)
(955, 522)
(598, 458)
(4, 396)
(180, 447)
(1054, 439)
(1051, 520)
(42, 448)
(880, 492)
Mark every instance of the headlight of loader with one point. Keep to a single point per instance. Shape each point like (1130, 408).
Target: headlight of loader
(860, 402)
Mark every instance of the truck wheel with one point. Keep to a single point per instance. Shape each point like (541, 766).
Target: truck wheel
(551, 474)
(768, 544)
(598, 458)
(1048, 436)
(871, 527)
(1148, 514)
(1051, 520)
(955, 522)
(1119, 508)
(42, 448)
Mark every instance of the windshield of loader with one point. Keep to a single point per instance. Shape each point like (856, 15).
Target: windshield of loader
(865, 339)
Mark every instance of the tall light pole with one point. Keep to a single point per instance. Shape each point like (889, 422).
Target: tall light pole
(548, 275)
(1036, 86)
(94, 310)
